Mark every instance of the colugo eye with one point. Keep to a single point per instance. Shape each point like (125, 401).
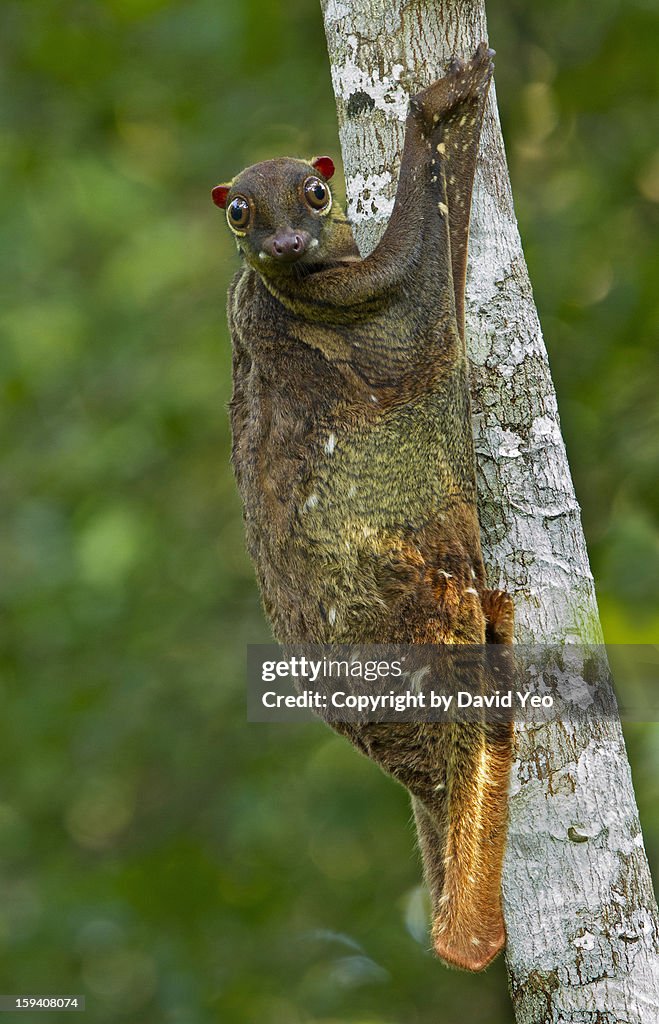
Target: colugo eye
(238, 213)
(316, 193)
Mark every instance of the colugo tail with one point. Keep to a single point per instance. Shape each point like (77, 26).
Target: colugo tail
(462, 820)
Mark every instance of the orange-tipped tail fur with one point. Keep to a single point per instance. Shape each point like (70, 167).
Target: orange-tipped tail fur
(463, 831)
(468, 929)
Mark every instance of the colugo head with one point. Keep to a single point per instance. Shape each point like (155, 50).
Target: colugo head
(280, 212)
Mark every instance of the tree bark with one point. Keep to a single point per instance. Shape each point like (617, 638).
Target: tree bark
(581, 917)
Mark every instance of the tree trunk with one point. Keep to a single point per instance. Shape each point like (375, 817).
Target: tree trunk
(581, 917)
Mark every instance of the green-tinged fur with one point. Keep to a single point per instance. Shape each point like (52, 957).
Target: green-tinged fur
(354, 457)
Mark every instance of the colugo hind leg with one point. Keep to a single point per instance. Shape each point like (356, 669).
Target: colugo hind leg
(499, 615)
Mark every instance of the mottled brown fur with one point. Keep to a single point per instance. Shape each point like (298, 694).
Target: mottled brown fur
(354, 458)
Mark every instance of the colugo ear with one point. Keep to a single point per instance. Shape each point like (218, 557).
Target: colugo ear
(324, 165)
(219, 194)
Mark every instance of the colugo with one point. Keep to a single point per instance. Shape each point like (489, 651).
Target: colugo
(353, 454)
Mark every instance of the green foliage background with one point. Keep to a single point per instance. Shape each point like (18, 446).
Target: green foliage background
(175, 864)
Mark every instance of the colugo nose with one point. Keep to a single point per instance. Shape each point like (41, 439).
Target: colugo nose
(287, 245)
